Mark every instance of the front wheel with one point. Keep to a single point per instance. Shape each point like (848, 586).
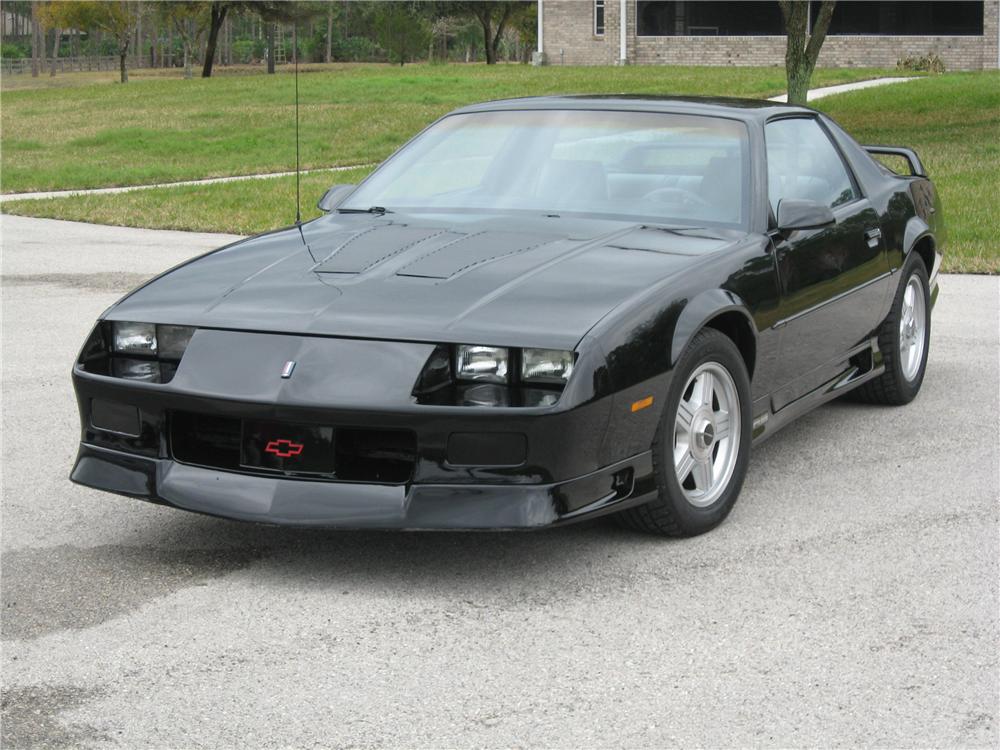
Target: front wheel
(702, 444)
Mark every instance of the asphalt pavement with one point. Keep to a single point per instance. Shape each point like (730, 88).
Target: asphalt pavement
(850, 599)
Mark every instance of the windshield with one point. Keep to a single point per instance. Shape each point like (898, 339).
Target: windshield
(677, 169)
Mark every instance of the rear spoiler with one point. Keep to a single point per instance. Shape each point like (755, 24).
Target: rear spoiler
(916, 166)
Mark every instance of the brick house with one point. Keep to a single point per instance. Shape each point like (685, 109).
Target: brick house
(863, 33)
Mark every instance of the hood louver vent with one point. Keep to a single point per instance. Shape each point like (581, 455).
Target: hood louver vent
(471, 250)
(368, 249)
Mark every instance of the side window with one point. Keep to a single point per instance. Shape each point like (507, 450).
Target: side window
(802, 164)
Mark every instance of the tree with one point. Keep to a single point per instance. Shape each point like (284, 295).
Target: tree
(493, 17)
(115, 17)
(217, 14)
(329, 34)
(802, 48)
(402, 31)
(35, 37)
(524, 23)
(188, 19)
(272, 12)
(56, 40)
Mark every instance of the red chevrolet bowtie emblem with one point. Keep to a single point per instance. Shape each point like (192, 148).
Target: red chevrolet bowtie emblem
(284, 448)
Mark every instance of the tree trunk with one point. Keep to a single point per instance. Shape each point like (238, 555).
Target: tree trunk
(329, 34)
(123, 62)
(498, 36)
(218, 16)
(56, 38)
(491, 55)
(270, 48)
(35, 31)
(802, 49)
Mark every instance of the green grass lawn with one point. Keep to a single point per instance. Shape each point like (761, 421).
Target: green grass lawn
(244, 207)
(952, 120)
(157, 129)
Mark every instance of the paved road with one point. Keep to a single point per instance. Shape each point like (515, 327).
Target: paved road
(851, 599)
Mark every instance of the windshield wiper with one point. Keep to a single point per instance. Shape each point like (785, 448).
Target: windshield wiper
(671, 229)
(378, 210)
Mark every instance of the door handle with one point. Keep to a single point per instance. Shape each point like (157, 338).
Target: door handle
(873, 236)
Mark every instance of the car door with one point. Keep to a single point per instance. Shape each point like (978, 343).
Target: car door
(833, 279)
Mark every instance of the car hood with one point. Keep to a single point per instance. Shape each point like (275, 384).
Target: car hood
(476, 279)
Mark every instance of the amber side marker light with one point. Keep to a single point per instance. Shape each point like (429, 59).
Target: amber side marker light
(642, 403)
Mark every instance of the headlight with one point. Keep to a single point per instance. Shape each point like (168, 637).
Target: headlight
(171, 341)
(485, 363)
(134, 338)
(149, 339)
(480, 375)
(136, 369)
(546, 366)
(437, 371)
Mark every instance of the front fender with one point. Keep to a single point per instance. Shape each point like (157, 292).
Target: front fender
(641, 364)
(699, 311)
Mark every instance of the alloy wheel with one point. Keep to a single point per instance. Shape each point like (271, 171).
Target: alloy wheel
(706, 434)
(912, 328)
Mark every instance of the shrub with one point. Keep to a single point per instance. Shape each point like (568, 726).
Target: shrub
(14, 50)
(929, 63)
(244, 51)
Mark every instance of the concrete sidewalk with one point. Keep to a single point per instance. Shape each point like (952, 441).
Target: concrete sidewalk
(6, 197)
(845, 87)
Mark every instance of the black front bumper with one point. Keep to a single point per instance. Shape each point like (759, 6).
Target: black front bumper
(287, 501)
(586, 455)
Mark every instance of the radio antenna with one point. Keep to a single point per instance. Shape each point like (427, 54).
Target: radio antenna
(298, 175)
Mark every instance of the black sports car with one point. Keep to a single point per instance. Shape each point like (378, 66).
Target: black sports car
(537, 311)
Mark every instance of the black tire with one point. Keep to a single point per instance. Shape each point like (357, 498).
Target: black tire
(893, 388)
(670, 513)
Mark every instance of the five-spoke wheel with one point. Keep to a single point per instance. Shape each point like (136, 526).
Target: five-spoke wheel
(702, 445)
(912, 324)
(705, 445)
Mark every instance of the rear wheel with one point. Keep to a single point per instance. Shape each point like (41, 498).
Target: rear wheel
(904, 339)
(702, 444)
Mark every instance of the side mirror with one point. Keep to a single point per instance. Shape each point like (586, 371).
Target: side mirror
(334, 196)
(793, 214)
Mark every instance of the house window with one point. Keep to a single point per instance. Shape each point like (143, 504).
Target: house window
(763, 18)
(907, 18)
(719, 18)
(598, 17)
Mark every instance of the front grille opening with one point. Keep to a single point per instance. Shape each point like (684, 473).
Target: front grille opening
(375, 455)
(360, 455)
(206, 440)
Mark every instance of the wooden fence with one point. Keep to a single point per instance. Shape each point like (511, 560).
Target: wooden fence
(19, 65)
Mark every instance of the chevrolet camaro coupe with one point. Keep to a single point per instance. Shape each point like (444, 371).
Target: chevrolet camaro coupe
(537, 311)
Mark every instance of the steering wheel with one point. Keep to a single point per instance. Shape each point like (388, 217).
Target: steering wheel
(676, 195)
